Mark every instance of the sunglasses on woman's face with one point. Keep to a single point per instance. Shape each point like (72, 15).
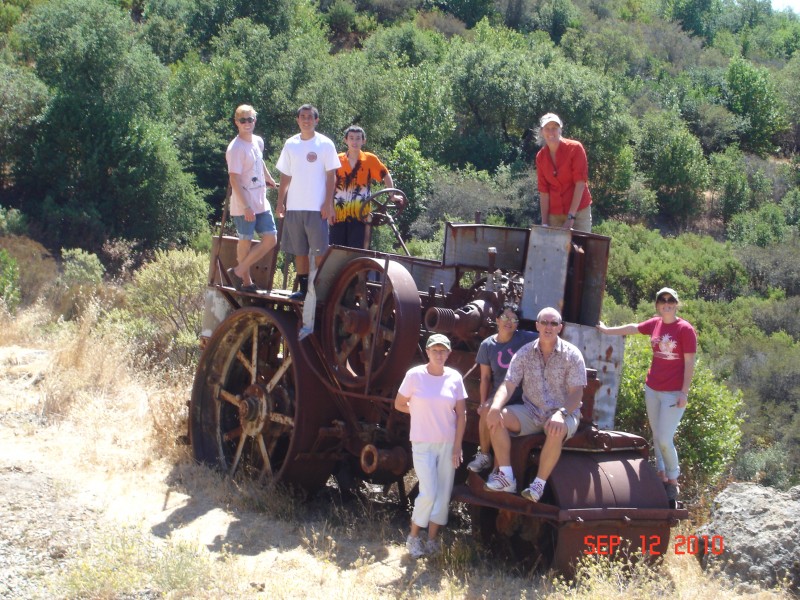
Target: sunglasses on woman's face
(667, 300)
(244, 120)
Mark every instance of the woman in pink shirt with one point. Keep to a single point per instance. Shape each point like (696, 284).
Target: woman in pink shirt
(435, 397)
(666, 390)
(562, 173)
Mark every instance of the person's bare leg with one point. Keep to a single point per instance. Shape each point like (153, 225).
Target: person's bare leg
(242, 250)
(501, 439)
(551, 452)
(302, 265)
(255, 254)
(433, 530)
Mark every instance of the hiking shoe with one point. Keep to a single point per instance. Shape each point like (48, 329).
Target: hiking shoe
(433, 547)
(481, 462)
(298, 295)
(533, 492)
(500, 483)
(415, 547)
(672, 490)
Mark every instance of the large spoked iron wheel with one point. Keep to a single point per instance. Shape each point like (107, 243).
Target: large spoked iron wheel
(371, 323)
(257, 405)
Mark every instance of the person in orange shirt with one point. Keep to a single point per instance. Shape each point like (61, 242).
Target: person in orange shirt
(562, 173)
(353, 183)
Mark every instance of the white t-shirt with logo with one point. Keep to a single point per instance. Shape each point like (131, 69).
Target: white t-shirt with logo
(246, 159)
(307, 163)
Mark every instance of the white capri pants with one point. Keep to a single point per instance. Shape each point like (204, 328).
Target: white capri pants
(433, 463)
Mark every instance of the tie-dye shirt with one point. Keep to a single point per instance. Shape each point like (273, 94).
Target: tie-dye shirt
(354, 184)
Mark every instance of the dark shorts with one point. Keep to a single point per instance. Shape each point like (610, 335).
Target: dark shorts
(350, 233)
(305, 233)
(264, 225)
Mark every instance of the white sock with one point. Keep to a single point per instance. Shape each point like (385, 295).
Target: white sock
(507, 471)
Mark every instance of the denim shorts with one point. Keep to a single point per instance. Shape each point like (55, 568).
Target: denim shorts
(264, 225)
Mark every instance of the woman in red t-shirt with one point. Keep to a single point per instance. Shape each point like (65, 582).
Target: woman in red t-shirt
(666, 390)
(562, 173)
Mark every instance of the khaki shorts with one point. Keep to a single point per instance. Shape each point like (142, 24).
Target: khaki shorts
(305, 233)
(583, 220)
(528, 426)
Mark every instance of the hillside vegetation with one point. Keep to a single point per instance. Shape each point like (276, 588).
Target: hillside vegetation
(115, 116)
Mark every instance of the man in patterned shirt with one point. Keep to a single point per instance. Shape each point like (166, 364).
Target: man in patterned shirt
(553, 374)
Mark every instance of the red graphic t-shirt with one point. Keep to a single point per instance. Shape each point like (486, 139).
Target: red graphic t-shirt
(669, 343)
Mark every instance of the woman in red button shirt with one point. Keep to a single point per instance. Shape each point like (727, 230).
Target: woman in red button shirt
(563, 178)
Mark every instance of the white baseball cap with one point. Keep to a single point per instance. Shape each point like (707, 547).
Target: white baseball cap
(550, 118)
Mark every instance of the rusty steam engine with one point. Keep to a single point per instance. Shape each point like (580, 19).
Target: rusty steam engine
(270, 407)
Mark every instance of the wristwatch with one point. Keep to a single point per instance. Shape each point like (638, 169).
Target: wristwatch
(563, 412)
(571, 216)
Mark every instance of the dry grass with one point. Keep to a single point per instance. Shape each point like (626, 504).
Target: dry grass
(265, 543)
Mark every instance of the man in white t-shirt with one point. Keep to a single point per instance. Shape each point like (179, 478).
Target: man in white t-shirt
(249, 178)
(308, 164)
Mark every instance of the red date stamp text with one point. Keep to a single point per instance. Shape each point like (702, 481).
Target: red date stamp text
(650, 545)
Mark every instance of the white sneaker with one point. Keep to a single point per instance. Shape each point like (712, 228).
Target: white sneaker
(481, 462)
(433, 547)
(415, 547)
(533, 492)
(498, 482)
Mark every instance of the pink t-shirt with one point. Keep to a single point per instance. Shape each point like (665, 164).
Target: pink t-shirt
(432, 403)
(669, 342)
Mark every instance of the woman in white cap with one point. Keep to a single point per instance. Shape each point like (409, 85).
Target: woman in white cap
(562, 173)
(435, 397)
(666, 390)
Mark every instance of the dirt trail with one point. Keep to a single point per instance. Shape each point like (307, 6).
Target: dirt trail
(61, 484)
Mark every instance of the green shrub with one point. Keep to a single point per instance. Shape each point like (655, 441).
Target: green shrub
(9, 281)
(761, 227)
(709, 433)
(81, 268)
(772, 267)
(12, 222)
(168, 292)
(769, 466)
(341, 16)
(642, 262)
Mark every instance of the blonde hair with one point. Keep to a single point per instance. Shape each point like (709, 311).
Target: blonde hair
(244, 108)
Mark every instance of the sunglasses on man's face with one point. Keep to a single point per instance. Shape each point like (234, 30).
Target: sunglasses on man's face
(244, 120)
(544, 323)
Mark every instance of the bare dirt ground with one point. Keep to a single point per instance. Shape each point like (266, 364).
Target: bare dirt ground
(89, 510)
(65, 485)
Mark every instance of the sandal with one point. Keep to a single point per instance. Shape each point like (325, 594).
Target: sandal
(235, 279)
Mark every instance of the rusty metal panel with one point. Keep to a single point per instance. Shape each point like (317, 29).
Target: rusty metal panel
(604, 354)
(227, 255)
(426, 275)
(594, 277)
(467, 245)
(545, 270)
